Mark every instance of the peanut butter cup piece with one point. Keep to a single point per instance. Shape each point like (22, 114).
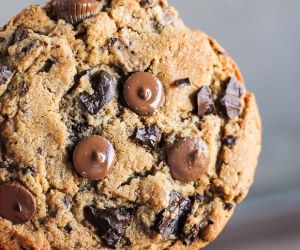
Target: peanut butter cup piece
(93, 157)
(74, 11)
(188, 159)
(144, 93)
(17, 204)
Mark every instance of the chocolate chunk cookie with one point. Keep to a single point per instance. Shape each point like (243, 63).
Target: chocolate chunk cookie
(121, 128)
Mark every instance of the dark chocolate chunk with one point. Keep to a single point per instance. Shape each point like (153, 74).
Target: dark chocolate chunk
(79, 128)
(48, 65)
(66, 201)
(169, 223)
(5, 74)
(20, 34)
(183, 82)
(104, 90)
(23, 88)
(53, 213)
(2, 39)
(202, 198)
(40, 150)
(149, 136)
(4, 164)
(29, 169)
(146, 2)
(127, 242)
(68, 228)
(229, 141)
(192, 235)
(110, 223)
(231, 100)
(228, 206)
(112, 41)
(210, 222)
(205, 102)
(29, 47)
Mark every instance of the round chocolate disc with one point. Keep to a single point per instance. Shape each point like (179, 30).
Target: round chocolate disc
(17, 204)
(93, 157)
(144, 93)
(188, 159)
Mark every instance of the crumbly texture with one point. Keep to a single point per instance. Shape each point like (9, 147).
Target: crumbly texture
(42, 120)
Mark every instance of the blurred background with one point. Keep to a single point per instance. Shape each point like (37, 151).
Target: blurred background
(263, 36)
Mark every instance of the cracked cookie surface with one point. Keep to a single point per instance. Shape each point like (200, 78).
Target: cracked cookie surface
(61, 84)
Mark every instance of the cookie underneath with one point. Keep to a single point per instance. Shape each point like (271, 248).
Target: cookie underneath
(120, 128)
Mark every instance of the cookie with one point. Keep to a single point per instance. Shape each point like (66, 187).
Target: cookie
(121, 128)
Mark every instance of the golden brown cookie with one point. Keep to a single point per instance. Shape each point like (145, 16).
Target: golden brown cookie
(120, 128)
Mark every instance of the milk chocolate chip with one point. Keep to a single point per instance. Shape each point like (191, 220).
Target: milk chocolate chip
(188, 159)
(17, 204)
(93, 157)
(74, 11)
(144, 93)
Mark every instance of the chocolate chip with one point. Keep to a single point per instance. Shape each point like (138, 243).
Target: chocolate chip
(23, 88)
(20, 34)
(110, 223)
(68, 228)
(146, 2)
(144, 93)
(53, 213)
(205, 102)
(192, 235)
(183, 82)
(210, 222)
(29, 47)
(5, 74)
(112, 41)
(48, 65)
(231, 100)
(4, 164)
(202, 198)
(228, 206)
(17, 203)
(2, 39)
(229, 141)
(127, 242)
(66, 201)
(104, 90)
(169, 223)
(93, 157)
(188, 159)
(149, 136)
(30, 170)
(79, 128)
(40, 150)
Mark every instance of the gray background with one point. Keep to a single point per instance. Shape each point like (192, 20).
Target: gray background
(264, 38)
